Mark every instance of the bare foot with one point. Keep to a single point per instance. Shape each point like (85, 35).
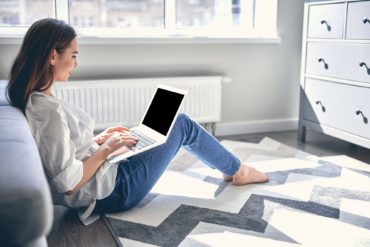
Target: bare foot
(248, 175)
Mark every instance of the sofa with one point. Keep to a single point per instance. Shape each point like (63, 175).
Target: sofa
(26, 208)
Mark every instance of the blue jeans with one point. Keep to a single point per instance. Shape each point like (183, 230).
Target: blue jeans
(137, 175)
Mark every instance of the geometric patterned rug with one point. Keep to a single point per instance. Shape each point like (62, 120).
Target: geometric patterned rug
(309, 201)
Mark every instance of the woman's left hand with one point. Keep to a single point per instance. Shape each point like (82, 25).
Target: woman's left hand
(103, 136)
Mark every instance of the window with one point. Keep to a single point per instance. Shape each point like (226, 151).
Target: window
(214, 16)
(24, 12)
(147, 18)
(117, 14)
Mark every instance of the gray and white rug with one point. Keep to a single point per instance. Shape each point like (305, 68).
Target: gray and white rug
(309, 201)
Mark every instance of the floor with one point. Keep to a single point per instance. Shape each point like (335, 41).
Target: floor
(68, 231)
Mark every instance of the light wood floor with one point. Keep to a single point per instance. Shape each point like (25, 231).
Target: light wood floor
(68, 231)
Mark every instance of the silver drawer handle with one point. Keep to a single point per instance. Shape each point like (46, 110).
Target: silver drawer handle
(363, 64)
(321, 60)
(358, 112)
(366, 20)
(322, 106)
(328, 27)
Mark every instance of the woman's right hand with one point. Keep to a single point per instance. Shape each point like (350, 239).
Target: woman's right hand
(119, 140)
(103, 136)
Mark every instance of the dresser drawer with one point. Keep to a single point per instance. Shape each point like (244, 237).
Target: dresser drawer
(339, 60)
(325, 59)
(356, 58)
(321, 105)
(326, 21)
(340, 106)
(358, 20)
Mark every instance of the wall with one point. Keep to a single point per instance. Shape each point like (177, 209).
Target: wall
(263, 94)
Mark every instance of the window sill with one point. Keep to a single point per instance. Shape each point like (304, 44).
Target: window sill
(162, 40)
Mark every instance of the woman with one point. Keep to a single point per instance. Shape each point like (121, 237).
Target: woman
(74, 160)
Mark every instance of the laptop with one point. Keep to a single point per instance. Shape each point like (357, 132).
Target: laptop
(156, 123)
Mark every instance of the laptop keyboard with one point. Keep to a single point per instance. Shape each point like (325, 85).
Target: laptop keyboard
(143, 141)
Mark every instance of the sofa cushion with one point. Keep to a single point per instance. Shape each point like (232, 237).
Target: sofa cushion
(3, 99)
(25, 201)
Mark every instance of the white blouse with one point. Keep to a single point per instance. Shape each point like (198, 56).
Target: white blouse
(65, 138)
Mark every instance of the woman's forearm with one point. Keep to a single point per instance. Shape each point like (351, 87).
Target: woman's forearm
(93, 163)
(90, 167)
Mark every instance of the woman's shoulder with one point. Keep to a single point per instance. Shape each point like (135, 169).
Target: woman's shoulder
(41, 102)
(45, 106)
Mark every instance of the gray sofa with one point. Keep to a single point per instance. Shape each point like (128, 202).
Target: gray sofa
(26, 208)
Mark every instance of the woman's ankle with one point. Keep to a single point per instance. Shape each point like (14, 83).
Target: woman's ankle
(227, 178)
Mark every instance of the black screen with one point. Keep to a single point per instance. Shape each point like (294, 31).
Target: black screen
(162, 110)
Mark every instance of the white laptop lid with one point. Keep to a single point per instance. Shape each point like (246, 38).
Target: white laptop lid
(163, 109)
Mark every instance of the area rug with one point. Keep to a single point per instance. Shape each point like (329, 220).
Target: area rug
(309, 201)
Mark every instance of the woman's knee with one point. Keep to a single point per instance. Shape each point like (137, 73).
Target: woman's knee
(182, 119)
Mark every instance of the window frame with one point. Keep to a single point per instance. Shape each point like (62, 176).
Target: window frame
(167, 35)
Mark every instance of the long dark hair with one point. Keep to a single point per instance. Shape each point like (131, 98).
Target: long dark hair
(31, 70)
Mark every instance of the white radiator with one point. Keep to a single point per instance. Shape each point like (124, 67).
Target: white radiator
(124, 101)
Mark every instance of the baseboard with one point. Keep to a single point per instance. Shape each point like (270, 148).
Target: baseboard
(238, 128)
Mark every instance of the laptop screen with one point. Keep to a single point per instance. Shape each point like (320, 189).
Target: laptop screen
(162, 110)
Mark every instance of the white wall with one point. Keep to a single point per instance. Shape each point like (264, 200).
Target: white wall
(263, 94)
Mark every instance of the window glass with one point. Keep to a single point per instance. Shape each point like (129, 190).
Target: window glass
(197, 13)
(116, 13)
(265, 17)
(25, 12)
(215, 17)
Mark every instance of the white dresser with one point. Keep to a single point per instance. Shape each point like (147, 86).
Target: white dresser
(335, 70)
